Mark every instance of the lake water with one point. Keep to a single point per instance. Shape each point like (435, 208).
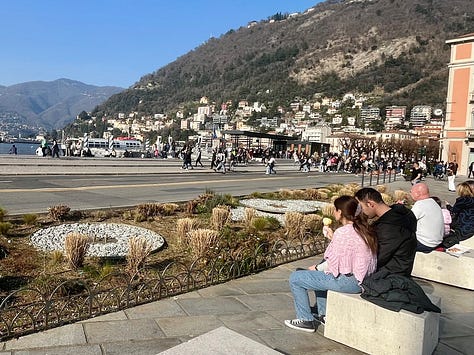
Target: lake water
(22, 148)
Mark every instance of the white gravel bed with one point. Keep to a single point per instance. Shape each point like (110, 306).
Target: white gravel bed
(276, 208)
(111, 239)
(283, 206)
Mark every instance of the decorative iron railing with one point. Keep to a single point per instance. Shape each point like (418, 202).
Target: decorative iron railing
(32, 309)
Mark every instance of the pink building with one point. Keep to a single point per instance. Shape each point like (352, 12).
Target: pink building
(458, 133)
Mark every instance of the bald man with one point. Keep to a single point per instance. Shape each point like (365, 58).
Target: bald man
(430, 221)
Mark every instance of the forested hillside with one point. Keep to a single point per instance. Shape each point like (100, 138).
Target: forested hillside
(392, 49)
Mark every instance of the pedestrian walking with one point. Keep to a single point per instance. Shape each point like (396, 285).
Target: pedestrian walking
(198, 159)
(55, 149)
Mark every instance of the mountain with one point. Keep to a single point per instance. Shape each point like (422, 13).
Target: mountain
(393, 50)
(50, 104)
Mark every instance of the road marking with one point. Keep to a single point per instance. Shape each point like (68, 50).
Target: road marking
(108, 187)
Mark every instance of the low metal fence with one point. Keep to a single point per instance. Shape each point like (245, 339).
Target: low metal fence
(32, 309)
(371, 178)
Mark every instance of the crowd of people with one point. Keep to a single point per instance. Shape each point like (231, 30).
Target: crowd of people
(374, 249)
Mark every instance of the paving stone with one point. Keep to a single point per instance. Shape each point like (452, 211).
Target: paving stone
(193, 294)
(250, 321)
(452, 326)
(146, 347)
(442, 349)
(217, 305)
(163, 308)
(264, 286)
(133, 329)
(72, 334)
(120, 315)
(70, 350)
(270, 302)
(188, 326)
(221, 290)
(295, 342)
(221, 341)
(465, 318)
(461, 344)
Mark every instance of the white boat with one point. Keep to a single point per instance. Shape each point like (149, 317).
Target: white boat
(101, 147)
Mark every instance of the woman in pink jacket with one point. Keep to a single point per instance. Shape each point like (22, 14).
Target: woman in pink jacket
(350, 256)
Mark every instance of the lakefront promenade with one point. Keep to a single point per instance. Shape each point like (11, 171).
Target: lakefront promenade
(254, 307)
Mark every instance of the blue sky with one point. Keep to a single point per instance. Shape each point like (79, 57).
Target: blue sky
(115, 42)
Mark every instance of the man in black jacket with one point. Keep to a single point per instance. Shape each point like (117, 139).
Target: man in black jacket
(396, 232)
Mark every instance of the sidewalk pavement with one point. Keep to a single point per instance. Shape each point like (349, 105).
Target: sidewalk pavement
(254, 306)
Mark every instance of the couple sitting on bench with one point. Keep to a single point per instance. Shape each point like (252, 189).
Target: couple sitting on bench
(374, 258)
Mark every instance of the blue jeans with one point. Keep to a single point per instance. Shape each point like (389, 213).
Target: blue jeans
(304, 280)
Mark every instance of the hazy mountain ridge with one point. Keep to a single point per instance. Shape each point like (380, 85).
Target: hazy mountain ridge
(52, 104)
(393, 47)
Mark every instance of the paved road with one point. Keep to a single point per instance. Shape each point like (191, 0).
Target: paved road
(32, 184)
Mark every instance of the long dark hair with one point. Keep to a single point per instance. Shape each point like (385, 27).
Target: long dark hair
(351, 211)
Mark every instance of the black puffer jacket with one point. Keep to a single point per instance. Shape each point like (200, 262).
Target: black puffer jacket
(396, 234)
(396, 292)
(462, 213)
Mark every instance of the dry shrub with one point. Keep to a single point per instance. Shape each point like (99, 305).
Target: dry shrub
(183, 227)
(328, 210)
(353, 187)
(313, 194)
(75, 248)
(127, 215)
(387, 199)
(101, 215)
(299, 194)
(334, 197)
(400, 195)
(5, 228)
(324, 190)
(381, 188)
(323, 195)
(30, 219)
(286, 194)
(57, 257)
(312, 222)
(249, 214)
(3, 213)
(335, 187)
(191, 207)
(168, 209)
(58, 212)
(220, 216)
(138, 250)
(148, 209)
(294, 224)
(346, 191)
(202, 240)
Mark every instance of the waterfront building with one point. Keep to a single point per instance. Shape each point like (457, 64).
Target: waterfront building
(318, 133)
(420, 115)
(458, 134)
(369, 114)
(394, 116)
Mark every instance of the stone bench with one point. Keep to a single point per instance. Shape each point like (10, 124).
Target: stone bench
(363, 325)
(468, 242)
(444, 268)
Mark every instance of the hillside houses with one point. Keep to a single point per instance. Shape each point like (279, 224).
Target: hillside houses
(322, 120)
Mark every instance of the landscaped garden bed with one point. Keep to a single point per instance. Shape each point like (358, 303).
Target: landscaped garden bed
(198, 243)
